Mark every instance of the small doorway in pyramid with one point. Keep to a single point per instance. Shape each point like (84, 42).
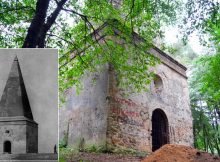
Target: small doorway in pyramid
(18, 130)
(7, 147)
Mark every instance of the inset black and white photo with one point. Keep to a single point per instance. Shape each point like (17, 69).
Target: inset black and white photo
(28, 104)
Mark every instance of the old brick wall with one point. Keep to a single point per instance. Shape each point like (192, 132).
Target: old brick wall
(129, 120)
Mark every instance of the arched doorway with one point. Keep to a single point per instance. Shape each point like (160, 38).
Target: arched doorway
(160, 133)
(7, 147)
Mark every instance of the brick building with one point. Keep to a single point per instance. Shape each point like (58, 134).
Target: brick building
(101, 115)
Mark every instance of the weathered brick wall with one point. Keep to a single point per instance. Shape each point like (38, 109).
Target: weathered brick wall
(129, 120)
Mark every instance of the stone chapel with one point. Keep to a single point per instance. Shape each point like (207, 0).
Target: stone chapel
(102, 115)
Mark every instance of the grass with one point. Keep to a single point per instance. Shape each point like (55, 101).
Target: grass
(73, 154)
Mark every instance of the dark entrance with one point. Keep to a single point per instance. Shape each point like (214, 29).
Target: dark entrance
(160, 134)
(7, 147)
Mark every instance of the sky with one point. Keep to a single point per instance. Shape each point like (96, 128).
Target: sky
(171, 37)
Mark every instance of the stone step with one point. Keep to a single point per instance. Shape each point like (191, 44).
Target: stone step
(41, 157)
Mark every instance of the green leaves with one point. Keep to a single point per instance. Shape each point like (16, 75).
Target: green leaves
(119, 45)
(211, 78)
(14, 21)
(205, 88)
(91, 34)
(197, 17)
(205, 97)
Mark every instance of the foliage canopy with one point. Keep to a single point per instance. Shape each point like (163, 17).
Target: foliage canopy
(71, 26)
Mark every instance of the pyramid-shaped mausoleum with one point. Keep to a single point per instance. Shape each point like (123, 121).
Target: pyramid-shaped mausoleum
(18, 130)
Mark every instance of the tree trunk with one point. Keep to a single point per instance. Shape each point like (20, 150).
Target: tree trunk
(50, 21)
(36, 24)
(38, 29)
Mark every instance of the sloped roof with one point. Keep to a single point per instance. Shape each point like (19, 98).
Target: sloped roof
(165, 58)
(14, 100)
(99, 34)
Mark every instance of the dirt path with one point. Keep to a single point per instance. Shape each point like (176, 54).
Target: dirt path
(101, 157)
(167, 153)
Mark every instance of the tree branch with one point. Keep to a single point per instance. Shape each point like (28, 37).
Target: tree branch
(50, 21)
